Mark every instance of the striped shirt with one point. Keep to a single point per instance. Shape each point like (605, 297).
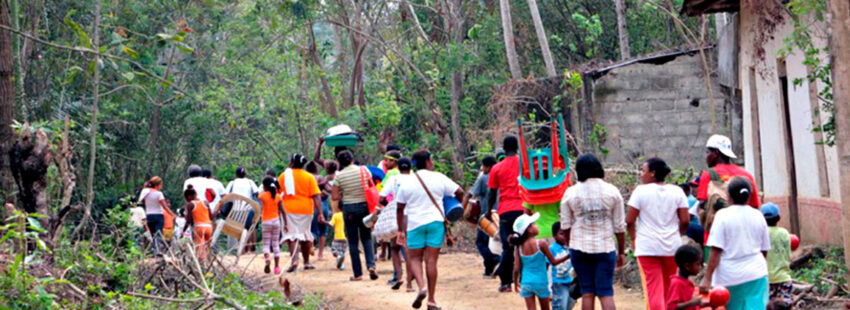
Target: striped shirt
(593, 210)
(351, 184)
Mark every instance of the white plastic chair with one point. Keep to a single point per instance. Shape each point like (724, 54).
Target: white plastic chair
(235, 222)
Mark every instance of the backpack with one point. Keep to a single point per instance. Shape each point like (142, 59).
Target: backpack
(718, 198)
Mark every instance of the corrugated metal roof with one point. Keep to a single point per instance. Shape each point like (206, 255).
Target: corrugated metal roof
(657, 59)
(699, 7)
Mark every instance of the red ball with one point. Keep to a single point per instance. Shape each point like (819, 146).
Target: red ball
(795, 242)
(718, 296)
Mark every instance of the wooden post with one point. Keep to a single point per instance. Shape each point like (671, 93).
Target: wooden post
(840, 50)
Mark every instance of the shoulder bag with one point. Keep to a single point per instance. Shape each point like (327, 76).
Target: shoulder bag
(449, 239)
(369, 190)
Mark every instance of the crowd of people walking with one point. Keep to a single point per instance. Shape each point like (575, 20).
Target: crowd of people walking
(398, 207)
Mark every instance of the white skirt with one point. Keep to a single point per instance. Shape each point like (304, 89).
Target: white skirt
(298, 226)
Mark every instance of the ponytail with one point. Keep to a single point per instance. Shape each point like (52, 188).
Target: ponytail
(517, 239)
(269, 186)
(189, 192)
(297, 161)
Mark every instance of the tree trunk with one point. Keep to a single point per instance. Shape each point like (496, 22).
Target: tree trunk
(621, 28)
(156, 118)
(93, 125)
(840, 49)
(455, 19)
(7, 99)
(358, 47)
(541, 37)
(328, 104)
(341, 61)
(510, 44)
(30, 157)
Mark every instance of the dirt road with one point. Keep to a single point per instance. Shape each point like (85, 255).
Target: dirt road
(461, 286)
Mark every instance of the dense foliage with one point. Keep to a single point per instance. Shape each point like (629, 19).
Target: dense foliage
(224, 83)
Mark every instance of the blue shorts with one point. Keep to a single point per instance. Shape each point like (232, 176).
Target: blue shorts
(541, 290)
(429, 235)
(595, 272)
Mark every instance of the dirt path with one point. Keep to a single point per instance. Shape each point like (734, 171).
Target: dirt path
(461, 286)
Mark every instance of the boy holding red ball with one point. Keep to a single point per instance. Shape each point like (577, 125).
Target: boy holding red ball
(681, 291)
(778, 259)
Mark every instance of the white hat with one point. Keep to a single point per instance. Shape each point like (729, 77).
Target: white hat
(722, 144)
(523, 221)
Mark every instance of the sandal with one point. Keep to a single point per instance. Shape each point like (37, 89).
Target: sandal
(292, 268)
(434, 307)
(309, 267)
(373, 274)
(355, 279)
(267, 269)
(397, 285)
(417, 303)
(409, 290)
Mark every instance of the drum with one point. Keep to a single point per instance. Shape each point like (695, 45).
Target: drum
(472, 212)
(453, 208)
(488, 227)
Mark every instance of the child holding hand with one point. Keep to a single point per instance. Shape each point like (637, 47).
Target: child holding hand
(563, 283)
(681, 292)
(531, 255)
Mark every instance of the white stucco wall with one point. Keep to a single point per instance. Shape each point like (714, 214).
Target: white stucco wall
(775, 178)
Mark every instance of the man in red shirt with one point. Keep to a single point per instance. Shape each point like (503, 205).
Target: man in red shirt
(718, 155)
(504, 179)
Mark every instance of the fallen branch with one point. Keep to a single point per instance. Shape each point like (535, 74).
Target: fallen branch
(169, 299)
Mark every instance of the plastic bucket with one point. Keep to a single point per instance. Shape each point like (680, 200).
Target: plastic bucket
(452, 208)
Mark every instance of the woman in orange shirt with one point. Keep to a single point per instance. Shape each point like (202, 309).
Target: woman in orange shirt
(301, 199)
(199, 216)
(272, 210)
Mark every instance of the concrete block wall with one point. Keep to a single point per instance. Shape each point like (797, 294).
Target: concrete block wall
(659, 110)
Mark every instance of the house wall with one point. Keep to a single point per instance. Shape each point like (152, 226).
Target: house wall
(659, 110)
(816, 178)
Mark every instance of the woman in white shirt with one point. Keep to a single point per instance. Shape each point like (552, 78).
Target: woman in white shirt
(155, 204)
(739, 242)
(423, 230)
(657, 217)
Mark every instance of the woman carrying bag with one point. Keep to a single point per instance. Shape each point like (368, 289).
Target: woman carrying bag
(420, 198)
(349, 191)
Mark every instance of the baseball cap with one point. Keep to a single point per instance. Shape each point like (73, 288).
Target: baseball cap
(404, 163)
(523, 221)
(721, 143)
(770, 210)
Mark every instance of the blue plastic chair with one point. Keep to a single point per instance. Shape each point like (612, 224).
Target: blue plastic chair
(541, 177)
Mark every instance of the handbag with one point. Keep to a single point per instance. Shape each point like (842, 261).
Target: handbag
(387, 226)
(449, 239)
(369, 190)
